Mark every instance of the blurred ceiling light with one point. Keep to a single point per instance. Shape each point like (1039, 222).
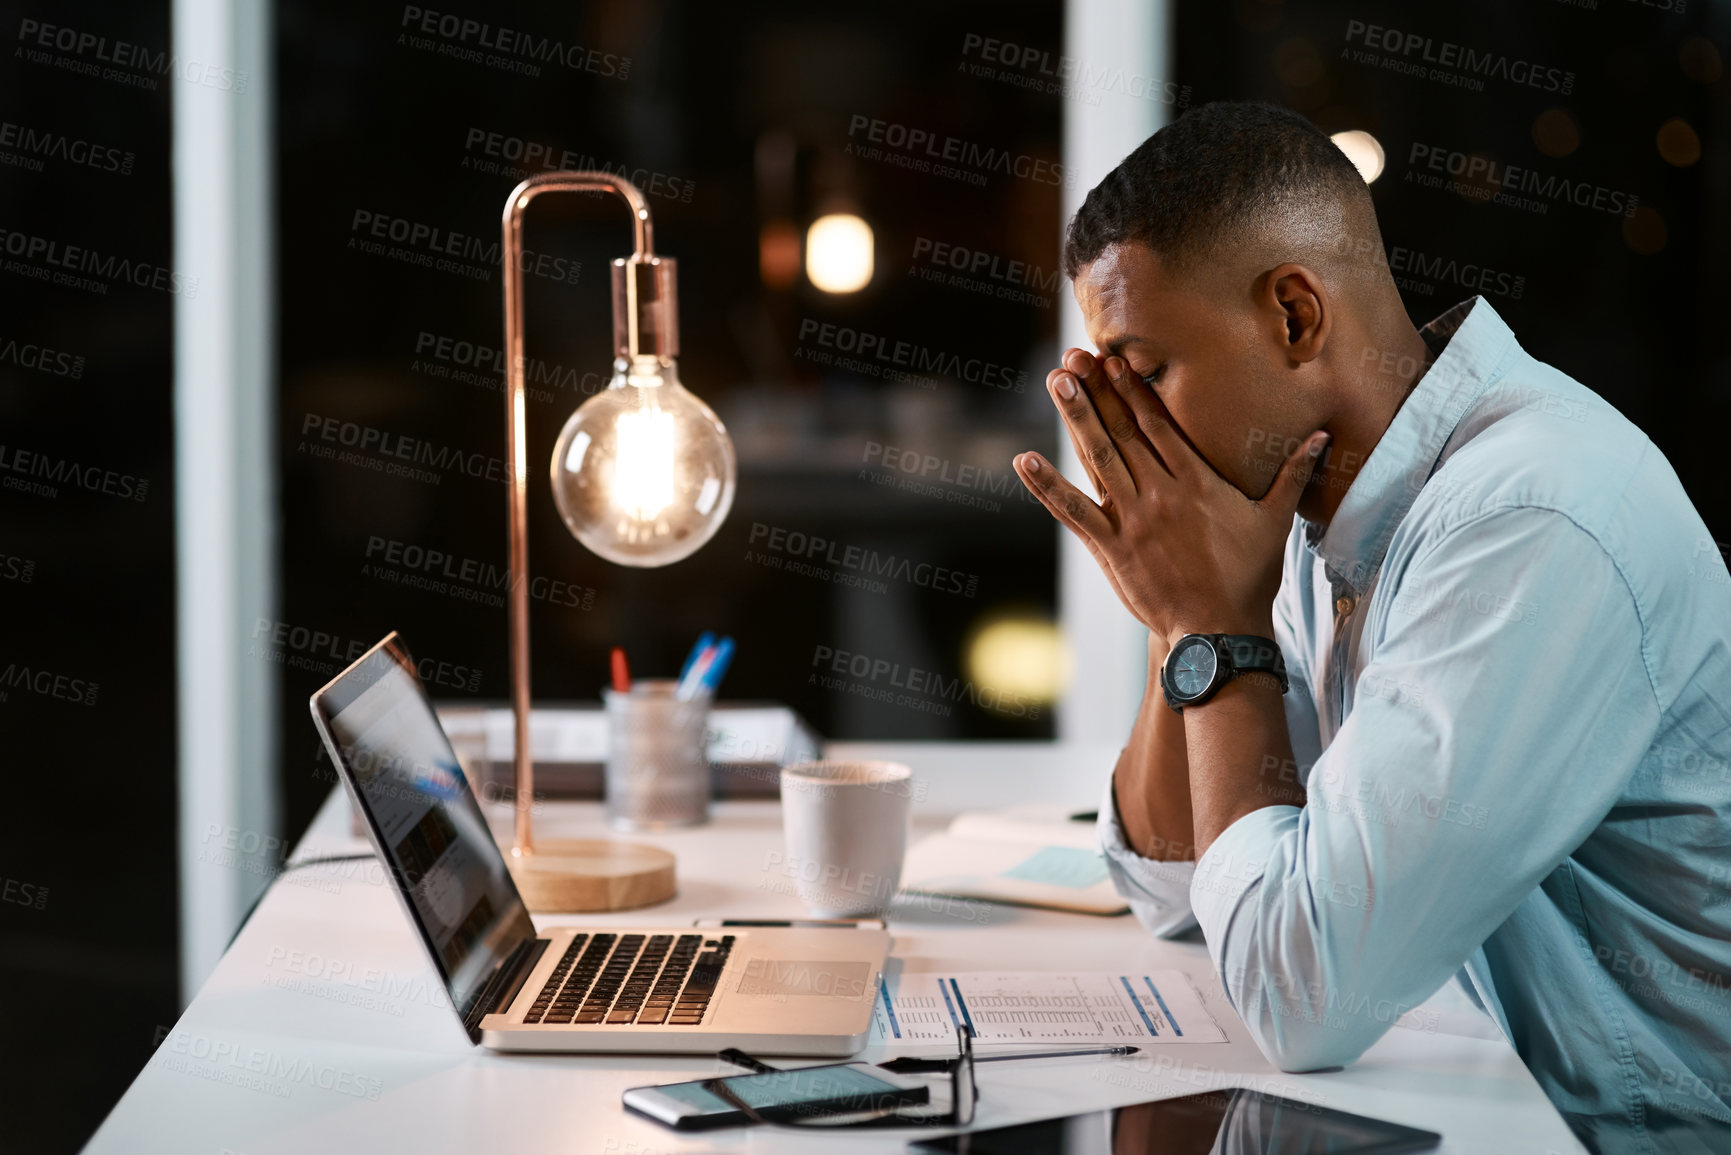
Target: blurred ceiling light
(1362, 150)
(838, 253)
(1019, 655)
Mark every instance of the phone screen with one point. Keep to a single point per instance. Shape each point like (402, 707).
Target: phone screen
(844, 1084)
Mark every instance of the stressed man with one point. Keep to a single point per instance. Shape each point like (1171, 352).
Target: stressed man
(1439, 650)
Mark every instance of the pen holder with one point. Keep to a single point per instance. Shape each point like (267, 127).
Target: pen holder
(657, 762)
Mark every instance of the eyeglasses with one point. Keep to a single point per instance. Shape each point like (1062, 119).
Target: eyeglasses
(963, 1095)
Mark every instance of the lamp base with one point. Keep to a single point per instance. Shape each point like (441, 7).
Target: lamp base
(575, 875)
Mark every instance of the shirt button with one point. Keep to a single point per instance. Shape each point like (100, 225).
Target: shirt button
(1343, 605)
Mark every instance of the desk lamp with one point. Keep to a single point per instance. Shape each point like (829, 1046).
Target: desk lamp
(643, 474)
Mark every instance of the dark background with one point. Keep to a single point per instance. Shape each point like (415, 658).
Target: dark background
(709, 96)
(748, 107)
(89, 818)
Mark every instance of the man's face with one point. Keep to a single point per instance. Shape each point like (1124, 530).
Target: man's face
(1212, 357)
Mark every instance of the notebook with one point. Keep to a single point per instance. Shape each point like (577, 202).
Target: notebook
(1033, 855)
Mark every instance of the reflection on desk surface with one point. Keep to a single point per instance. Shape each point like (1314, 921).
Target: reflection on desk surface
(1235, 1122)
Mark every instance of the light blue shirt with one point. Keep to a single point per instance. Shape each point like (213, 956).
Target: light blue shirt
(1510, 705)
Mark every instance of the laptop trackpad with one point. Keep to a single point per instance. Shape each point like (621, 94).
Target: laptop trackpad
(803, 976)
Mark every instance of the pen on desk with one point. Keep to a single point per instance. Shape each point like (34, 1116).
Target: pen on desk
(1125, 1050)
(704, 641)
(621, 671)
(908, 1063)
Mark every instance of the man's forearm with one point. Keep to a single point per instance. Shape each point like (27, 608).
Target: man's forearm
(1151, 783)
(1231, 742)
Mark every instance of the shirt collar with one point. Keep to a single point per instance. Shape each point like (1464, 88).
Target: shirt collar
(1473, 341)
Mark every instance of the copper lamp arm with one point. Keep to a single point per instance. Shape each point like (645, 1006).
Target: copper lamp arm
(517, 481)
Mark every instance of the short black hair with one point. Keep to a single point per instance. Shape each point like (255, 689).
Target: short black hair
(1214, 169)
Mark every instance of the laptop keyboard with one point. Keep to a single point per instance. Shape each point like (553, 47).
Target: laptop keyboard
(655, 979)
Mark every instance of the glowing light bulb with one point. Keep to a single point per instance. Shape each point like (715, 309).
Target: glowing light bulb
(643, 472)
(643, 469)
(838, 253)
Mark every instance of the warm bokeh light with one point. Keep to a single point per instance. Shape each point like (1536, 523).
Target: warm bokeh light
(1678, 143)
(778, 254)
(1700, 60)
(838, 253)
(1023, 655)
(1362, 150)
(1556, 133)
(1299, 64)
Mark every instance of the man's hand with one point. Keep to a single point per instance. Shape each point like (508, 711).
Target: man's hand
(1185, 550)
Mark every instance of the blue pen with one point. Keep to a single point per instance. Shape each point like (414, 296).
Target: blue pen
(718, 667)
(704, 641)
(691, 686)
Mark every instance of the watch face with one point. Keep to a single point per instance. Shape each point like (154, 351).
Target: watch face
(1193, 667)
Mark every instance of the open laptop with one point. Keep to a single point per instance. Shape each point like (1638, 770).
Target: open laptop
(788, 991)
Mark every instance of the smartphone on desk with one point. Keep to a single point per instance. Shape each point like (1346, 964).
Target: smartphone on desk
(830, 1089)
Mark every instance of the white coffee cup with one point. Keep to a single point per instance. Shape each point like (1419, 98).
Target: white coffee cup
(847, 830)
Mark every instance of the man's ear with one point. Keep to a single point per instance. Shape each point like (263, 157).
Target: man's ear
(1296, 297)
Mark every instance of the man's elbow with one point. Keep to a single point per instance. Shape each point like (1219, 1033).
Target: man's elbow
(1298, 1036)
(1314, 1047)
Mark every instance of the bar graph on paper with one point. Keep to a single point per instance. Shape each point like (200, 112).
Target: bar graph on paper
(1092, 1008)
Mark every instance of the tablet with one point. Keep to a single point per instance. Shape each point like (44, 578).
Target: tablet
(1232, 1122)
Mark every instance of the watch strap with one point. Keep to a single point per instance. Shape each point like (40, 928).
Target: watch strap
(1252, 654)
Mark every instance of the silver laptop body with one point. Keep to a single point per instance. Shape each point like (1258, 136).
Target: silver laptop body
(774, 990)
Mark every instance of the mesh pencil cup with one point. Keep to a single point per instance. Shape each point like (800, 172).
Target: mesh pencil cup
(657, 765)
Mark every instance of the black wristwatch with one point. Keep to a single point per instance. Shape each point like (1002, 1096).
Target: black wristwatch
(1202, 663)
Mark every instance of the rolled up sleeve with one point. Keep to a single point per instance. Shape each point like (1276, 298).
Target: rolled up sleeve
(1158, 892)
(1505, 707)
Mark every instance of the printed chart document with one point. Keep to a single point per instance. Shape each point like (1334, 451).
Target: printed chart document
(1083, 1009)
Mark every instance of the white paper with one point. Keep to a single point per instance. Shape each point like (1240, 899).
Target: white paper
(1036, 824)
(1084, 1009)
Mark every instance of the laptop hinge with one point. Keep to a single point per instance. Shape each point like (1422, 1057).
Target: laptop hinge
(507, 980)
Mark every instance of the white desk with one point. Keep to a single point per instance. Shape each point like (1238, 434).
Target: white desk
(324, 1031)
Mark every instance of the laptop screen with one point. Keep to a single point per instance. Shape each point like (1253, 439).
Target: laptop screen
(381, 729)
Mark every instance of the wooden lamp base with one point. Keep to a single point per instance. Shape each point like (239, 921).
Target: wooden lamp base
(574, 875)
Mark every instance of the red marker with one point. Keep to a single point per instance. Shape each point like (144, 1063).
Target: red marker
(621, 671)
